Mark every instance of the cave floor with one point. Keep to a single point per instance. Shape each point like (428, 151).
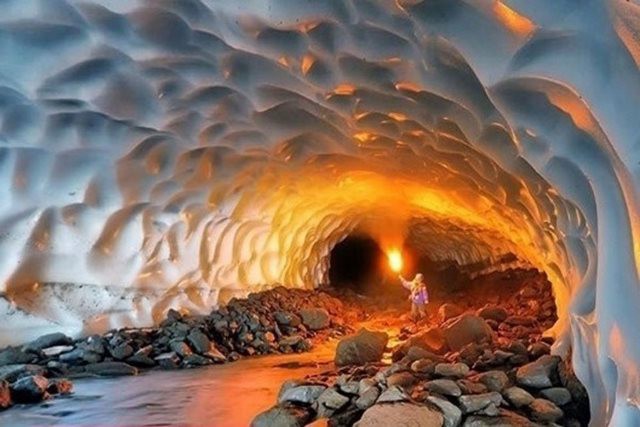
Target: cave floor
(228, 394)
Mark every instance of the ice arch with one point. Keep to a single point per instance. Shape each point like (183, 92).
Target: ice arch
(175, 152)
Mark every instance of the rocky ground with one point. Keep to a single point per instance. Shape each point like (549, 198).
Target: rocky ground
(468, 364)
(275, 321)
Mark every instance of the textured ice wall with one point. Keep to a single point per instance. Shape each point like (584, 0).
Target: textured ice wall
(171, 153)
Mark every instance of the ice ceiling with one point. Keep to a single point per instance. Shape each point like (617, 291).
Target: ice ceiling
(172, 153)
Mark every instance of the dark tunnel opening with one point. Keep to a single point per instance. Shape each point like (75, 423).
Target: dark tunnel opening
(356, 264)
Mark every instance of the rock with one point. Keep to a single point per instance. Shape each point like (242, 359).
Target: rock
(448, 311)
(5, 395)
(11, 373)
(287, 319)
(329, 402)
(444, 387)
(558, 395)
(465, 330)
(493, 380)
(215, 354)
(538, 374)
(49, 340)
(452, 415)
(347, 417)
(93, 344)
(302, 393)
(315, 318)
(417, 353)
(490, 410)
(121, 351)
(400, 414)
(349, 387)
(111, 369)
(364, 347)
(59, 386)
(283, 416)
(539, 349)
(504, 419)
(367, 398)
(31, 389)
(452, 370)
(392, 395)
(431, 340)
(198, 341)
(141, 360)
(517, 396)
(401, 379)
(14, 356)
(424, 367)
(544, 410)
(195, 360)
(471, 387)
(181, 348)
(80, 355)
(56, 350)
(498, 314)
(475, 402)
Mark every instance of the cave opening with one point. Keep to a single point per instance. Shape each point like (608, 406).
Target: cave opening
(356, 264)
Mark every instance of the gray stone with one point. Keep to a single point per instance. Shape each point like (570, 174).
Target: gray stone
(121, 351)
(400, 414)
(56, 350)
(493, 380)
(538, 374)
(465, 330)
(168, 360)
(452, 415)
(401, 379)
(283, 416)
(424, 367)
(538, 349)
(80, 355)
(452, 370)
(504, 419)
(303, 393)
(141, 360)
(181, 348)
(476, 402)
(11, 373)
(364, 347)
(558, 395)
(367, 398)
(15, 356)
(196, 360)
(315, 318)
(517, 396)
(29, 389)
(199, 341)
(544, 410)
(471, 387)
(329, 402)
(111, 369)
(49, 340)
(392, 395)
(444, 387)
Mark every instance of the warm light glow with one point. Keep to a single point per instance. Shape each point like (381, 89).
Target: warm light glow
(395, 260)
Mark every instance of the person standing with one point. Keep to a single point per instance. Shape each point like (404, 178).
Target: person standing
(418, 295)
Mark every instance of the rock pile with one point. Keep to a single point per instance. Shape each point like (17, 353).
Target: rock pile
(479, 367)
(275, 321)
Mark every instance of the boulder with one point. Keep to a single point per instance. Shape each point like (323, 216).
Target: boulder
(431, 340)
(558, 395)
(296, 392)
(283, 416)
(367, 397)
(315, 318)
(31, 389)
(392, 395)
(476, 402)
(401, 379)
(400, 414)
(198, 341)
(448, 311)
(59, 386)
(545, 411)
(471, 387)
(452, 415)
(56, 350)
(49, 340)
(493, 380)
(444, 387)
(11, 373)
(110, 369)
(465, 330)
(518, 397)
(121, 351)
(538, 374)
(364, 347)
(504, 419)
(15, 356)
(452, 370)
(423, 367)
(330, 401)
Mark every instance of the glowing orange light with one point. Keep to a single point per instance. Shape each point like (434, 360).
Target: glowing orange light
(395, 260)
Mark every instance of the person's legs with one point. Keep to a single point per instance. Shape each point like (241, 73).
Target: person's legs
(422, 309)
(415, 311)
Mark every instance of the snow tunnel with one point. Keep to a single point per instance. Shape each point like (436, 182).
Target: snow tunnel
(166, 154)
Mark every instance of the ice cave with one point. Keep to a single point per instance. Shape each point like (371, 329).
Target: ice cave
(166, 165)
